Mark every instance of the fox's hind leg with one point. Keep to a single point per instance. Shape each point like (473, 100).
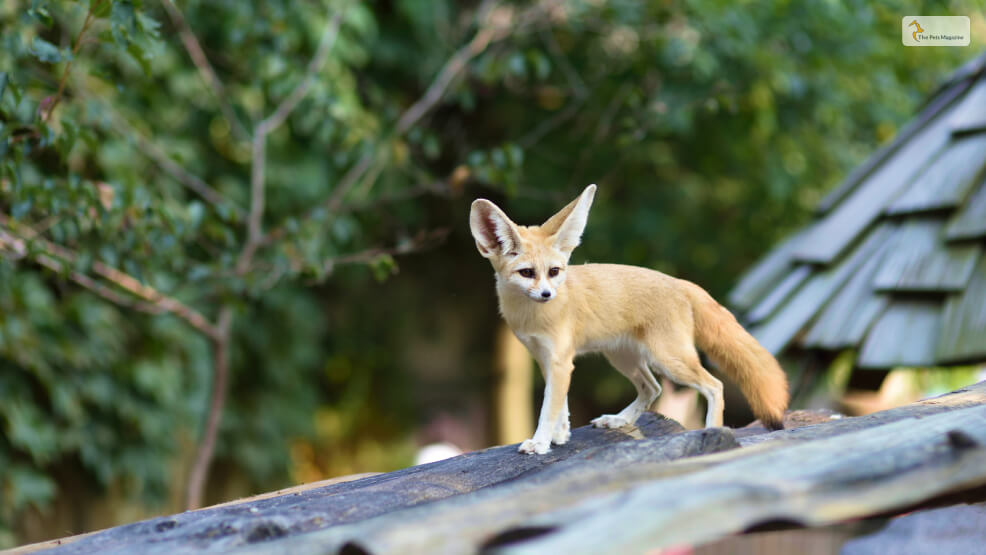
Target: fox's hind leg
(634, 367)
(679, 361)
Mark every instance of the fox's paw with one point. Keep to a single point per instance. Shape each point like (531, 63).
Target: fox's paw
(610, 421)
(561, 435)
(532, 447)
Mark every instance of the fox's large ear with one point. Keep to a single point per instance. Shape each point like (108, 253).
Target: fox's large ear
(495, 234)
(568, 224)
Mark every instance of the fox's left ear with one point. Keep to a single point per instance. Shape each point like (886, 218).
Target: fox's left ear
(567, 225)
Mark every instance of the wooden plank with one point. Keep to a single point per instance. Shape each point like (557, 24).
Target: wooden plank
(847, 317)
(946, 182)
(832, 235)
(969, 396)
(775, 333)
(954, 529)
(464, 524)
(761, 277)
(815, 483)
(458, 523)
(971, 114)
(970, 221)
(905, 335)
(313, 509)
(51, 544)
(920, 262)
(963, 335)
(467, 524)
(779, 293)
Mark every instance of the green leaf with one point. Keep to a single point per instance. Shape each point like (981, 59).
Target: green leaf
(47, 52)
(29, 429)
(3, 83)
(40, 12)
(27, 486)
(21, 209)
(123, 22)
(141, 56)
(99, 8)
(148, 24)
(383, 267)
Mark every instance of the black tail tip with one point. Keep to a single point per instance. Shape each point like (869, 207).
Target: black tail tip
(773, 424)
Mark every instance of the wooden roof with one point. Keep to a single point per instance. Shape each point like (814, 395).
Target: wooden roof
(893, 263)
(633, 490)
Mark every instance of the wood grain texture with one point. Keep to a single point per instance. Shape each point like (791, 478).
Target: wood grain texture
(904, 335)
(946, 181)
(813, 483)
(225, 527)
(606, 492)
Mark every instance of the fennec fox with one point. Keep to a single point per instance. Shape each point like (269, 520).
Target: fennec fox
(643, 321)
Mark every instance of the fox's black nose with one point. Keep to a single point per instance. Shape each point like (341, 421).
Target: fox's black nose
(546, 294)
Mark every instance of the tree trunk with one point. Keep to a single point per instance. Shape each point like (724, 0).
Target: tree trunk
(220, 377)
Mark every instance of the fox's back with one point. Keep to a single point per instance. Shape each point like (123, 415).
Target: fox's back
(613, 299)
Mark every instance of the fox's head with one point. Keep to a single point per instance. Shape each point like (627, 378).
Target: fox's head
(531, 259)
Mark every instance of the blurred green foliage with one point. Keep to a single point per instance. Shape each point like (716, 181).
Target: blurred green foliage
(712, 127)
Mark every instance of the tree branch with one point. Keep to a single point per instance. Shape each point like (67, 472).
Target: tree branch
(422, 241)
(208, 74)
(93, 6)
(220, 360)
(221, 339)
(288, 105)
(255, 235)
(59, 259)
(494, 24)
(167, 165)
(488, 31)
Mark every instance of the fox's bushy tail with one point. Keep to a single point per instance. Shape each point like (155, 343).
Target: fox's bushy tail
(740, 357)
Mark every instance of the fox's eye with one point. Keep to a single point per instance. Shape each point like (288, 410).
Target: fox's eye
(553, 272)
(526, 272)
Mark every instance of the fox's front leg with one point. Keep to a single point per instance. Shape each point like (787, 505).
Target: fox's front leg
(563, 429)
(557, 377)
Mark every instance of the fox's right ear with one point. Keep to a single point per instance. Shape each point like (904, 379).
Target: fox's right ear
(495, 234)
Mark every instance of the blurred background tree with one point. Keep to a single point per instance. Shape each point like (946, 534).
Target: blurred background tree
(179, 182)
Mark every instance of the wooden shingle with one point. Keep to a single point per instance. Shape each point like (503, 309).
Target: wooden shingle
(779, 329)
(779, 293)
(759, 279)
(963, 337)
(919, 260)
(940, 101)
(970, 221)
(972, 114)
(904, 335)
(847, 318)
(830, 236)
(946, 182)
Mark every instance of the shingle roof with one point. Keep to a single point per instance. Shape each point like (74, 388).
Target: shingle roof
(892, 265)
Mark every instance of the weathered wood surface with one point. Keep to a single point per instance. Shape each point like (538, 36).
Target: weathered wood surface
(970, 396)
(812, 483)
(467, 524)
(226, 526)
(464, 523)
(956, 529)
(606, 492)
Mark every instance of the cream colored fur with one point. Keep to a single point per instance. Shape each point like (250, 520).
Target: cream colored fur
(643, 321)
